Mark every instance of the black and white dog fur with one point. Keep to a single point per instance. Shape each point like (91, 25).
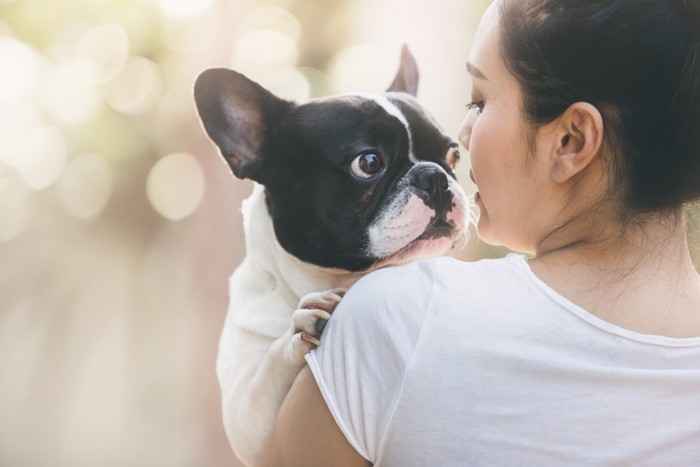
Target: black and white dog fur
(344, 185)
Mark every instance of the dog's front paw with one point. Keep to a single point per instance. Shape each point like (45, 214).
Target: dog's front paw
(309, 320)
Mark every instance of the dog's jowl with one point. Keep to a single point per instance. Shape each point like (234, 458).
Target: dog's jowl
(344, 185)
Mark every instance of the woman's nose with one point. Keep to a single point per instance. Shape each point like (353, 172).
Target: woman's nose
(465, 131)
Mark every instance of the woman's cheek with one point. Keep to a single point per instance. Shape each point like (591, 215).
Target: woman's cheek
(478, 153)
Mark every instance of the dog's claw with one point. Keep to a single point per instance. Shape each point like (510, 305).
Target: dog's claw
(340, 292)
(321, 314)
(311, 340)
(334, 297)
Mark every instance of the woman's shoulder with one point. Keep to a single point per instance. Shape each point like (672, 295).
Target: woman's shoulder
(417, 285)
(444, 270)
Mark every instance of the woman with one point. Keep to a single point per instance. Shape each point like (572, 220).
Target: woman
(583, 138)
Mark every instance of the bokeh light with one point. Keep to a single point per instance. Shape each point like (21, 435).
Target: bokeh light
(86, 186)
(104, 49)
(267, 44)
(175, 186)
(22, 68)
(270, 17)
(187, 38)
(140, 22)
(263, 50)
(361, 67)
(40, 156)
(288, 83)
(184, 9)
(67, 95)
(135, 88)
(16, 121)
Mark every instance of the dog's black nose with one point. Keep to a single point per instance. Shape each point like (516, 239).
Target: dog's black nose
(433, 181)
(430, 179)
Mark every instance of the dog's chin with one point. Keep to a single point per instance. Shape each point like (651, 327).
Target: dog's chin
(434, 242)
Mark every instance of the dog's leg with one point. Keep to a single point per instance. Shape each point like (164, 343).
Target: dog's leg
(256, 373)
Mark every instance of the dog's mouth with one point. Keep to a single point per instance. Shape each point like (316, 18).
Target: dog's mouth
(438, 228)
(437, 239)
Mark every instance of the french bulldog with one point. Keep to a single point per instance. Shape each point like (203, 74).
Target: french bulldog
(344, 185)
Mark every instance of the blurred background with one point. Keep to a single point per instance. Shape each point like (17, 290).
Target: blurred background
(119, 223)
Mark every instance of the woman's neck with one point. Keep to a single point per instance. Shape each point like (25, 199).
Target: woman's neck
(640, 276)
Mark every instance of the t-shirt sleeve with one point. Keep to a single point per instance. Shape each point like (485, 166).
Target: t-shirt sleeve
(366, 348)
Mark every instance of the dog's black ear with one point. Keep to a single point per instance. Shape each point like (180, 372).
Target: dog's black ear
(238, 115)
(406, 79)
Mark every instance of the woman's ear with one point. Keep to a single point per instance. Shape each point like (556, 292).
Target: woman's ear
(579, 133)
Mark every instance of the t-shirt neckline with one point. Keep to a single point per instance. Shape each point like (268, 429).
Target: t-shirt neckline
(581, 313)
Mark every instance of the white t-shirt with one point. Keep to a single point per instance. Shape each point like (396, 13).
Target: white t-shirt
(446, 363)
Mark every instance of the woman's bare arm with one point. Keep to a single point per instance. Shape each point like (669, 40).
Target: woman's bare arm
(305, 433)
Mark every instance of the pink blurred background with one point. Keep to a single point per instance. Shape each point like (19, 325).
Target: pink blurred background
(119, 224)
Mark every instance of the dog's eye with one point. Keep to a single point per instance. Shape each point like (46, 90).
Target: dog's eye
(453, 156)
(366, 165)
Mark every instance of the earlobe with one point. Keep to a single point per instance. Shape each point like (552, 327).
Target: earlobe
(580, 130)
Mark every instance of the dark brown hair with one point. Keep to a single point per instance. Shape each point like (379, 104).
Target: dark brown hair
(638, 62)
